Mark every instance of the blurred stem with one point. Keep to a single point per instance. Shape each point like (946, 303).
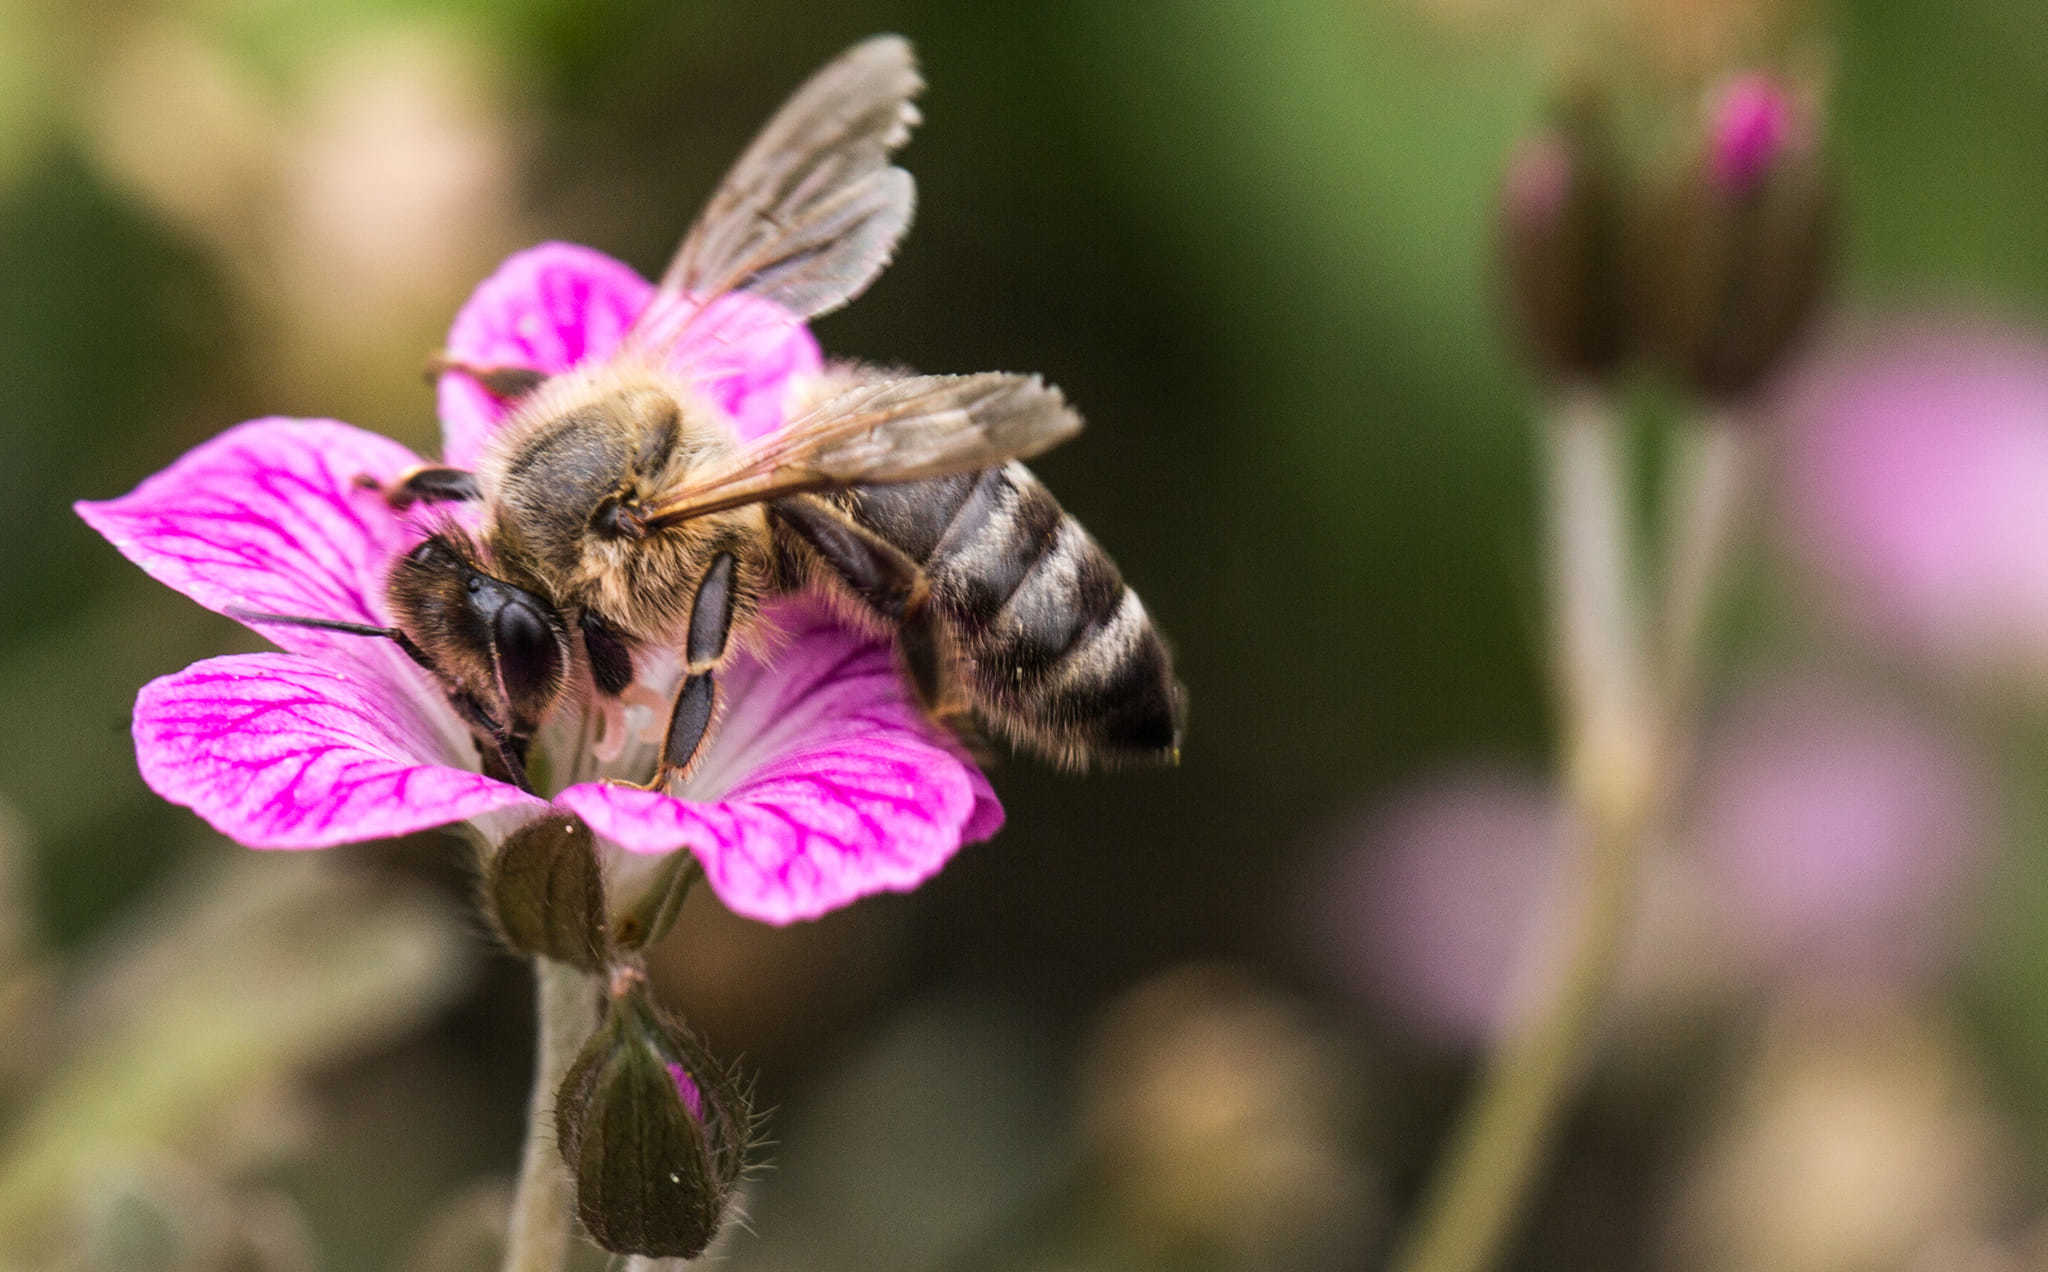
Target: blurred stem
(1706, 497)
(1597, 639)
(1616, 751)
(538, 1240)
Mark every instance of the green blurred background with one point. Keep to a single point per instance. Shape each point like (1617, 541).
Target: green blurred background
(1252, 243)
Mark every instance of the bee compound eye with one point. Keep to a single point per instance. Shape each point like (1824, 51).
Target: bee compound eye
(529, 651)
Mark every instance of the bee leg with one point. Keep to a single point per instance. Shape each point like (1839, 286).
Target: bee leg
(504, 756)
(689, 723)
(921, 643)
(504, 382)
(427, 483)
(896, 587)
(610, 656)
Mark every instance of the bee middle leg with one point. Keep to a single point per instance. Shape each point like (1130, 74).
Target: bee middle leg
(689, 721)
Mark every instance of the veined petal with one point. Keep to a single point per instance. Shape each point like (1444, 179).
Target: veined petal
(547, 309)
(824, 784)
(281, 751)
(744, 353)
(268, 517)
(555, 306)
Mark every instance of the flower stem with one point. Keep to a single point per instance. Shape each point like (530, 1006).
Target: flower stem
(1706, 498)
(538, 1239)
(1618, 755)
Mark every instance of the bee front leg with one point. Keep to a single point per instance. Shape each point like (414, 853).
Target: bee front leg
(502, 381)
(503, 754)
(689, 723)
(427, 483)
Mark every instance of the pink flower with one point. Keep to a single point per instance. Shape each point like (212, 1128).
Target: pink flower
(1444, 901)
(1841, 831)
(1916, 455)
(1832, 836)
(824, 782)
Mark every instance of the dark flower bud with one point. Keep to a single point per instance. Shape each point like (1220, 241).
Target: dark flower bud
(1733, 244)
(546, 890)
(653, 1129)
(1560, 223)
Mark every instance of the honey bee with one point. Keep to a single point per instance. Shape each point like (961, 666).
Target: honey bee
(620, 512)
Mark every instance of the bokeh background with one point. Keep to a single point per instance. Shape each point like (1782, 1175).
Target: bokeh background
(1217, 1017)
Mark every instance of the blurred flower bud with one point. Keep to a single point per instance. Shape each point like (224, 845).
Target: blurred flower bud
(1222, 1120)
(545, 890)
(1560, 248)
(1732, 247)
(166, 1215)
(1753, 125)
(653, 1129)
(1860, 1137)
(465, 1233)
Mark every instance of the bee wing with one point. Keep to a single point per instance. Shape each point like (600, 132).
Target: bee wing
(884, 431)
(812, 211)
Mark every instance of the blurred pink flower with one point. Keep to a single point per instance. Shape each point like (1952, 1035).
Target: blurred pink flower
(824, 783)
(1840, 830)
(1915, 466)
(1832, 835)
(1443, 897)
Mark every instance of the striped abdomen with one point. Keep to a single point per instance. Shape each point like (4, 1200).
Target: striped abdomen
(1053, 651)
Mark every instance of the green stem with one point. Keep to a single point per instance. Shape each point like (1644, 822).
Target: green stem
(542, 1209)
(1478, 1193)
(1703, 509)
(1617, 755)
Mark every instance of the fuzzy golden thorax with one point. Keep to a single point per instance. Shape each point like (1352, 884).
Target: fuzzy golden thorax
(565, 483)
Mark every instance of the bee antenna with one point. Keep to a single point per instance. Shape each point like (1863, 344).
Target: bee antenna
(393, 634)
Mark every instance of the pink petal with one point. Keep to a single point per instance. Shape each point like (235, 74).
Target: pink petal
(686, 1087)
(280, 751)
(547, 308)
(827, 783)
(267, 517)
(744, 353)
(555, 306)
(1754, 120)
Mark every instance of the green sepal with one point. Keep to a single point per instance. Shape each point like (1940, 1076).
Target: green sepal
(1560, 230)
(545, 890)
(1726, 282)
(649, 918)
(652, 1176)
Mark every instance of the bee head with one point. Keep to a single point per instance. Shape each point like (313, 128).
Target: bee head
(501, 650)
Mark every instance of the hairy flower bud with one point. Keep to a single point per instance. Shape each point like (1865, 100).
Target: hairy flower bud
(1559, 226)
(546, 890)
(653, 1129)
(1732, 247)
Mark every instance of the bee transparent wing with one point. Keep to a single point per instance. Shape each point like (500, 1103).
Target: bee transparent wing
(885, 431)
(812, 211)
